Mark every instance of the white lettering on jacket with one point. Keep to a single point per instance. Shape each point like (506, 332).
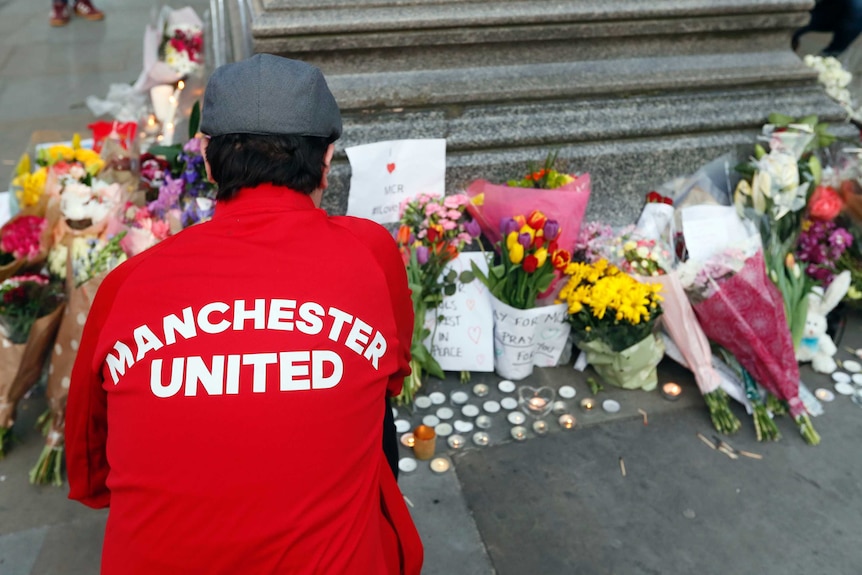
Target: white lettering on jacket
(297, 370)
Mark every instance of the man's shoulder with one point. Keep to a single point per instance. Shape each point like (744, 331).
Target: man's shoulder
(368, 231)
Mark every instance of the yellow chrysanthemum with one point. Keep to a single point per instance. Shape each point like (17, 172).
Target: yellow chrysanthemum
(91, 160)
(31, 187)
(55, 154)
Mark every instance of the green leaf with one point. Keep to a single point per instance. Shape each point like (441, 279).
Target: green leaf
(780, 120)
(450, 277)
(466, 277)
(195, 120)
(450, 289)
(169, 153)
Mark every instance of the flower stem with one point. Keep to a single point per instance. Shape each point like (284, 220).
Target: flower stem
(807, 429)
(5, 440)
(723, 420)
(764, 425)
(49, 467)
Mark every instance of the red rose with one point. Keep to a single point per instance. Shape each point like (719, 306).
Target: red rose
(825, 204)
(530, 263)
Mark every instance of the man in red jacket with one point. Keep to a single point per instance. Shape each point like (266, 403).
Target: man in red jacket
(226, 399)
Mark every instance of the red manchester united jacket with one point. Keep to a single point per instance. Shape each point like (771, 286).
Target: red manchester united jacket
(226, 399)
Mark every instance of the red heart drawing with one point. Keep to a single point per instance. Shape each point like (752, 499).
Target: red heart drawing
(474, 333)
(471, 303)
(390, 167)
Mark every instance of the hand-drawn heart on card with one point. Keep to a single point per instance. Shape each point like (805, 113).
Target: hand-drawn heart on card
(474, 333)
(471, 303)
(480, 359)
(390, 167)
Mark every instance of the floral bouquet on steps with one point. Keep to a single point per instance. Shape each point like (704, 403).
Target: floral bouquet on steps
(742, 310)
(530, 259)
(433, 231)
(613, 317)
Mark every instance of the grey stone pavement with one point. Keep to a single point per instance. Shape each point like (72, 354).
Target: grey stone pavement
(556, 504)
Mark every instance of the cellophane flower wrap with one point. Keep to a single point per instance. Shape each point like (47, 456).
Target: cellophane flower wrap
(613, 319)
(82, 264)
(741, 309)
(30, 311)
(433, 231)
(566, 202)
(645, 252)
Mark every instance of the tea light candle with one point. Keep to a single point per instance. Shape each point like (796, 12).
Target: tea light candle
(459, 397)
(408, 439)
(480, 390)
(560, 408)
(540, 427)
(440, 465)
(537, 404)
(588, 404)
(481, 438)
(483, 422)
(519, 433)
(671, 391)
(516, 418)
(566, 421)
(456, 441)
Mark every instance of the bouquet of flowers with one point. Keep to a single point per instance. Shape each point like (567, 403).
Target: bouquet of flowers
(22, 241)
(774, 199)
(29, 187)
(142, 229)
(186, 188)
(81, 263)
(739, 308)
(562, 197)
(530, 260)
(592, 238)
(651, 262)
(182, 47)
(30, 311)
(173, 48)
(613, 318)
(432, 233)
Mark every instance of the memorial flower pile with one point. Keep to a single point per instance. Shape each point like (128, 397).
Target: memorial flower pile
(529, 258)
(613, 319)
(433, 231)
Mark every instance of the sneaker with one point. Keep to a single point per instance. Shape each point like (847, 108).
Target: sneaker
(86, 10)
(59, 15)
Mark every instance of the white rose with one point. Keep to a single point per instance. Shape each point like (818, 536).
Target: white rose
(643, 252)
(782, 168)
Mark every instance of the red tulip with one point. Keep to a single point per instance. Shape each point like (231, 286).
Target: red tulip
(530, 263)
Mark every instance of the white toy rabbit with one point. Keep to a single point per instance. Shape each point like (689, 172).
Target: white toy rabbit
(816, 345)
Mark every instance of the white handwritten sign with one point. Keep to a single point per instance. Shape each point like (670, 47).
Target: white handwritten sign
(524, 338)
(386, 173)
(463, 337)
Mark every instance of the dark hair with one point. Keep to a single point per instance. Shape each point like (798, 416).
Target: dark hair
(247, 160)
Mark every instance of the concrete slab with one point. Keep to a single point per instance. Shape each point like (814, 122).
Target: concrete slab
(72, 548)
(18, 551)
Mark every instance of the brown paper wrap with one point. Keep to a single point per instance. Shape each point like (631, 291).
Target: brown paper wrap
(21, 363)
(78, 303)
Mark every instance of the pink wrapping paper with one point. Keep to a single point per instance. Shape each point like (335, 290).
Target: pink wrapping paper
(681, 324)
(746, 316)
(566, 204)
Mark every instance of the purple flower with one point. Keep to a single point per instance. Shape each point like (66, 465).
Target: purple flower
(472, 228)
(193, 146)
(169, 195)
(552, 229)
(508, 225)
(525, 240)
(422, 255)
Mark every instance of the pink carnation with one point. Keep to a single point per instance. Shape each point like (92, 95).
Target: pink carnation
(22, 237)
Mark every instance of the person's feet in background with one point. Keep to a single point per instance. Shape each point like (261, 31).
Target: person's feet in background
(61, 14)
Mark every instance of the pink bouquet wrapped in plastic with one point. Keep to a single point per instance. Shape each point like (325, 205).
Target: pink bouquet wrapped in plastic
(493, 203)
(740, 309)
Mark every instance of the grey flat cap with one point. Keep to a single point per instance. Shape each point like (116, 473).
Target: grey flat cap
(268, 94)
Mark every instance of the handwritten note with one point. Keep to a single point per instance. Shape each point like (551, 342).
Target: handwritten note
(711, 229)
(462, 327)
(529, 338)
(386, 173)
